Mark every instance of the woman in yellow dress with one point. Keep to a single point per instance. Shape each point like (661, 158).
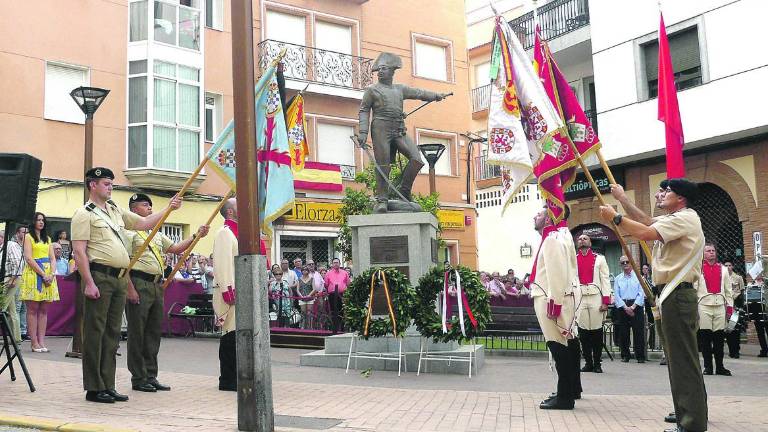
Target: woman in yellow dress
(38, 281)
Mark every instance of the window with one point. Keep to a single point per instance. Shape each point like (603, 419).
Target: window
(139, 14)
(443, 165)
(177, 24)
(213, 116)
(214, 14)
(285, 27)
(336, 40)
(174, 232)
(170, 139)
(686, 61)
(432, 58)
(335, 146)
(60, 80)
(482, 74)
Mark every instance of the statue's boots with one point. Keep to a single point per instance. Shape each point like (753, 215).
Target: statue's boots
(409, 175)
(381, 190)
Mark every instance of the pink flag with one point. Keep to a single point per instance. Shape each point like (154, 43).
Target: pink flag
(669, 112)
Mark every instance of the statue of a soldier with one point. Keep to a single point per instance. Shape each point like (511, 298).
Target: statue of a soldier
(388, 131)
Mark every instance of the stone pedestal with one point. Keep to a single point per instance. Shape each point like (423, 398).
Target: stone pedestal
(406, 241)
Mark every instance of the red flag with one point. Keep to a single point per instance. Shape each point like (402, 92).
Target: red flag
(669, 112)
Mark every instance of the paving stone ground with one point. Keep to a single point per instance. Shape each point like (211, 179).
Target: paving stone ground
(384, 402)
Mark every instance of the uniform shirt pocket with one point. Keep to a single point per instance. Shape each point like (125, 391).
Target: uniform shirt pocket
(100, 230)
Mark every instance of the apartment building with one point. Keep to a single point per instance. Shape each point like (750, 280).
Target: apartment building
(609, 52)
(167, 64)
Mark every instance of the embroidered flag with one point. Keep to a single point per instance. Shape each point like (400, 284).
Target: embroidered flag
(297, 138)
(318, 176)
(276, 193)
(522, 122)
(669, 111)
(221, 157)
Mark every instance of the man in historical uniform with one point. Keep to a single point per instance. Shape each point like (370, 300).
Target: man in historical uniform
(676, 262)
(99, 244)
(553, 282)
(224, 252)
(715, 307)
(737, 289)
(144, 309)
(388, 129)
(595, 286)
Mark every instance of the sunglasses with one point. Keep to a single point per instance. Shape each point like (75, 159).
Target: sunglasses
(623, 262)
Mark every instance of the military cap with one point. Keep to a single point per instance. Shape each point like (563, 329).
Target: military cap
(664, 183)
(99, 173)
(685, 188)
(387, 59)
(139, 197)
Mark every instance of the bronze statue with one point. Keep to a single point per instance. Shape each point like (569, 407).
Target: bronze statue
(388, 131)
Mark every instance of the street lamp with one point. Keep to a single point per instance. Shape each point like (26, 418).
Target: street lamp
(88, 99)
(432, 153)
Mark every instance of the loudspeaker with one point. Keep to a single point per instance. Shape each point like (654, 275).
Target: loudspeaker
(19, 180)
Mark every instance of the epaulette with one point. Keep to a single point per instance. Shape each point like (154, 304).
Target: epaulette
(112, 203)
(90, 206)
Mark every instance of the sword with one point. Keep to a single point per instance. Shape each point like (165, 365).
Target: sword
(423, 105)
(367, 149)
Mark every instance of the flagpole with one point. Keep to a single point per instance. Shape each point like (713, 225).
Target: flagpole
(195, 240)
(167, 213)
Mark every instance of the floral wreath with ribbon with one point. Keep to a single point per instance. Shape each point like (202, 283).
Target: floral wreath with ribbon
(358, 303)
(435, 291)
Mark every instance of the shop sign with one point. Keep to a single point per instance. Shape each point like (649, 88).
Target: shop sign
(315, 212)
(595, 232)
(451, 219)
(582, 188)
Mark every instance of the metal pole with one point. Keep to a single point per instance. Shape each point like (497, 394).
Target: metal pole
(77, 336)
(255, 411)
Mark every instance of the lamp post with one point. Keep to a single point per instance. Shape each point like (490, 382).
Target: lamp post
(432, 153)
(88, 99)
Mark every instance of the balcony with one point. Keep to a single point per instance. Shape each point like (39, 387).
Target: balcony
(556, 18)
(481, 98)
(326, 69)
(484, 171)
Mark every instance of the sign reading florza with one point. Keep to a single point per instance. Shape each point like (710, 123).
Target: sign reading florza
(582, 188)
(315, 212)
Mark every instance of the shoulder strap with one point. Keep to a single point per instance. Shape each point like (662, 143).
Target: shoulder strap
(152, 247)
(91, 207)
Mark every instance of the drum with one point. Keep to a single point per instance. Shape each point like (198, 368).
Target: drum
(755, 301)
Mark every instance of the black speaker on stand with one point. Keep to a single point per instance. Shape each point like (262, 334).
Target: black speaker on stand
(20, 178)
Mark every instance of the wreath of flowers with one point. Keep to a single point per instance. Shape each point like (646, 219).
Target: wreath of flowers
(356, 304)
(428, 320)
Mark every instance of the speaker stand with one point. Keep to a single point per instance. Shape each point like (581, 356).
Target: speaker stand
(8, 337)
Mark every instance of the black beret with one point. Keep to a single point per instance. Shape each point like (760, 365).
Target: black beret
(664, 183)
(139, 197)
(99, 173)
(685, 188)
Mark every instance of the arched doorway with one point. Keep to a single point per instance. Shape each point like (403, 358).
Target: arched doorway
(721, 225)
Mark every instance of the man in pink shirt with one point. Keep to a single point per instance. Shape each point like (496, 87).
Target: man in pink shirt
(336, 282)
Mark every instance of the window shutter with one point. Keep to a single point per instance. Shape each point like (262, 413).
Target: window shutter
(684, 48)
(443, 165)
(431, 61)
(286, 28)
(59, 82)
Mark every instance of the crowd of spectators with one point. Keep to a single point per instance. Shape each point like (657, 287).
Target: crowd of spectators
(502, 287)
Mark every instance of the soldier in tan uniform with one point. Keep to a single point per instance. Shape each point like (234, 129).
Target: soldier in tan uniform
(224, 252)
(145, 309)
(595, 286)
(715, 307)
(553, 284)
(676, 263)
(100, 251)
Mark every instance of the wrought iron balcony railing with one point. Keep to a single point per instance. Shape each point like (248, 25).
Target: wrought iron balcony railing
(485, 171)
(481, 98)
(556, 18)
(318, 66)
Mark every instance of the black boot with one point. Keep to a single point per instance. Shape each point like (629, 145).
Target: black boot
(718, 340)
(409, 175)
(705, 337)
(564, 398)
(586, 348)
(382, 190)
(574, 353)
(597, 349)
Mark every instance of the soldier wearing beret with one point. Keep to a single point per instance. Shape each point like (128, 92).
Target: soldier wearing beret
(144, 308)
(676, 261)
(100, 249)
(388, 128)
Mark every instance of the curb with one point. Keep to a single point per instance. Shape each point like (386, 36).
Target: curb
(57, 425)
